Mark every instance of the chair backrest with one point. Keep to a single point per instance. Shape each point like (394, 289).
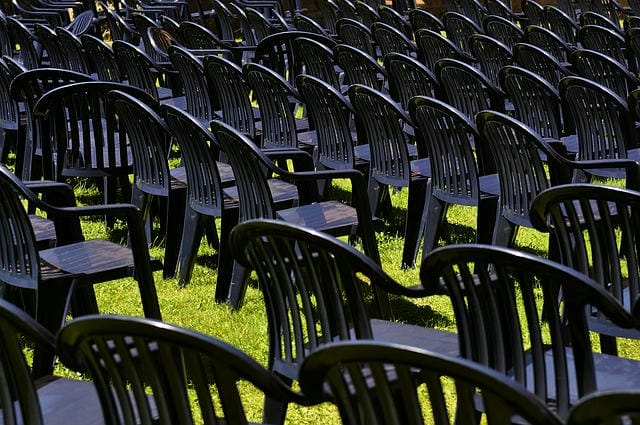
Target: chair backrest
(317, 60)
(604, 124)
(273, 94)
(605, 406)
(548, 41)
(459, 27)
(226, 80)
(397, 20)
(408, 78)
(72, 49)
(118, 27)
(28, 87)
(225, 21)
(137, 66)
(159, 40)
(250, 168)
(533, 11)
(96, 144)
(380, 122)
(596, 229)
(434, 46)
(6, 48)
(468, 89)
(82, 23)
(332, 116)
(29, 56)
(9, 112)
(149, 138)
(20, 404)
(313, 285)
(366, 13)
(492, 55)
(390, 39)
(473, 9)
(449, 138)
(605, 41)
(359, 67)
(262, 27)
(502, 29)
(538, 60)
(197, 36)
(356, 34)
(422, 18)
(329, 14)
(536, 102)
(101, 57)
(593, 18)
(199, 155)
(562, 24)
(606, 8)
(378, 383)
(172, 360)
(509, 316)
(48, 40)
(307, 24)
(201, 101)
(604, 69)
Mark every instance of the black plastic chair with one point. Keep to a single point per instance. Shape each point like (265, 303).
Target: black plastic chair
(539, 61)
(605, 41)
(329, 14)
(378, 383)
(605, 406)
(502, 29)
(595, 229)
(604, 124)
(548, 41)
(605, 70)
(381, 122)
(510, 318)
(366, 13)
(26, 390)
(390, 39)
(593, 18)
(359, 67)
(101, 58)
(115, 350)
(408, 78)
(459, 27)
(505, 10)
(53, 55)
(73, 51)
(434, 46)
(562, 24)
(455, 170)
(262, 27)
(395, 19)
(82, 23)
(118, 27)
(517, 151)
(356, 34)
(537, 104)
(422, 18)
(54, 279)
(492, 55)
(12, 124)
(473, 10)
(150, 144)
(28, 54)
(317, 60)
(308, 24)
(315, 294)
(251, 166)
(533, 11)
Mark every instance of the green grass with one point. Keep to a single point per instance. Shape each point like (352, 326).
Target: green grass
(193, 305)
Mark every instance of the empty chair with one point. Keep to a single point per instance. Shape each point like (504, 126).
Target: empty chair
(356, 34)
(174, 360)
(604, 124)
(381, 123)
(422, 18)
(307, 24)
(492, 55)
(390, 39)
(505, 10)
(533, 11)
(54, 52)
(329, 12)
(101, 58)
(317, 60)
(118, 27)
(562, 24)
(473, 10)
(408, 78)
(502, 29)
(376, 383)
(359, 67)
(434, 46)
(605, 70)
(29, 55)
(593, 18)
(394, 18)
(449, 137)
(522, 173)
(632, 38)
(539, 61)
(548, 41)
(251, 166)
(366, 13)
(498, 292)
(605, 41)
(197, 36)
(459, 27)
(605, 406)
(315, 294)
(607, 8)
(262, 27)
(82, 23)
(73, 50)
(585, 222)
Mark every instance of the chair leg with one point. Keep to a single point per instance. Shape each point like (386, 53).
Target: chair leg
(175, 211)
(50, 312)
(435, 214)
(140, 200)
(486, 220)
(229, 272)
(191, 237)
(415, 220)
(504, 232)
(275, 411)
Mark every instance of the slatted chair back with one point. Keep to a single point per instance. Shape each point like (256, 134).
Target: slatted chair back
(562, 24)
(397, 20)
(605, 406)
(548, 41)
(307, 24)
(408, 78)
(359, 67)
(422, 18)
(356, 34)
(197, 36)
(474, 10)
(28, 55)
(492, 55)
(137, 66)
(73, 51)
(377, 383)
(82, 23)
(596, 231)
(172, 360)
(317, 60)
(605, 70)
(593, 18)
(534, 12)
(6, 48)
(459, 27)
(502, 29)
(390, 39)
(366, 13)
(539, 61)
(101, 58)
(329, 13)
(505, 301)
(434, 46)
(262, 27)
(55, 53)
(118, 27)
(605, 41)
(10, 120)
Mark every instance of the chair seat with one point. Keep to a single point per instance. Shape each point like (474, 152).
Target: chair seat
(416, 336)
(62, 399)
(97, 255)
(328, 216)
(363, 152)
(281, 191)
(633, 154)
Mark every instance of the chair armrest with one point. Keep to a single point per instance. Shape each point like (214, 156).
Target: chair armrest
(631, 167)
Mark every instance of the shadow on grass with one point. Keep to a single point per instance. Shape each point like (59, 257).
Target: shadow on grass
(406, 311)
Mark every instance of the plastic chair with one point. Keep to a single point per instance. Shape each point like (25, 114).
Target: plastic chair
(376, 383)
(101, 58)
(390, 39)
(502, 29)
(455, 170)
(408, 78)
(539, 61)
(395, 19)
(251, 165)
(604, 124)
(632, 40)
(498, 292)
(173, 360)
(366, 13)
(605, 41)
(459, 27)
(28, 55)
(82, 23)
(27, 389)
(118, 27)
(72, 50)
(54, 279)
(317, 60)
(505, 10)
(473, 10)
(54, 54)
(585, 222)
(359, 67)
(605, 406)
(593, 18)
(548, 41)
(356, 34)
(381, 123)
(12, 125)
(422, 18)
(307, 24)
(523, 174)
(315, 294)
(262, 27)
(329, 14)
(605, 70)
(434, 46)
(197, 36)
(492, 55)
(533, 11)
(562, 24)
